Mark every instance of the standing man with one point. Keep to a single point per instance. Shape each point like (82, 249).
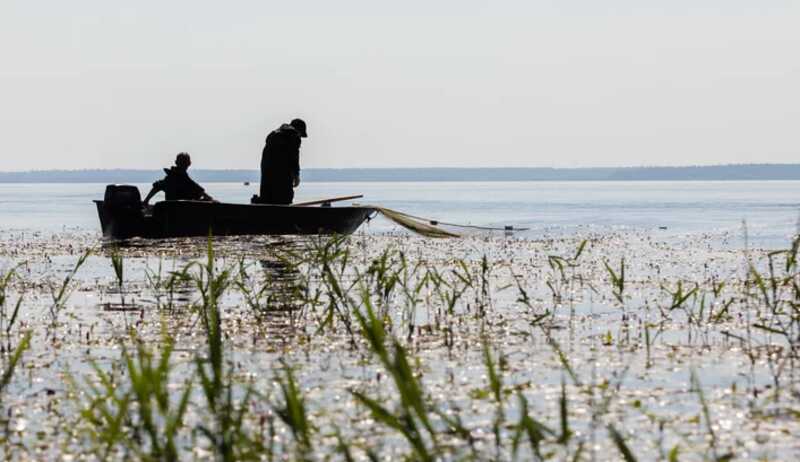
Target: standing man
(280, 164)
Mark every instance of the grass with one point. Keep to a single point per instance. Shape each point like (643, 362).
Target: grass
(10, 364)
(293, 413)
(8, 320)
(411, 419)
(11, 355)
(150, 403)
(141, 417)
(60, 293)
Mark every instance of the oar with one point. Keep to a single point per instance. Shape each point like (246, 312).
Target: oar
(327, 201)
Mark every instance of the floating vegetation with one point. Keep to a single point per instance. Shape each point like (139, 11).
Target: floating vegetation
(611, 346)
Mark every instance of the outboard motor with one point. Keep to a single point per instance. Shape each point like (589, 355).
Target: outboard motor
(120, 212)
(122, 195)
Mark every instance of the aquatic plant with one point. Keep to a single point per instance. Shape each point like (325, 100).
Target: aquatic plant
(474, 372)
(412, 419)
(117, 261)
(564, 272)
(293, 413)
(536, 432)
(7, 321)
(10, 364)
(61, 293)
(617, 279)
(142, 415)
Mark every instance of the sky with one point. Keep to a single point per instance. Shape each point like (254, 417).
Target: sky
(91, 84)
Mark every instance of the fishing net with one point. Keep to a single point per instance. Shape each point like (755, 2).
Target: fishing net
(414, 224)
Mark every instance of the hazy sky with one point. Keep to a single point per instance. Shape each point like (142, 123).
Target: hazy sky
(567, 83)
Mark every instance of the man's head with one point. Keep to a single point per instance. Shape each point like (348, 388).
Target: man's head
(300, 126)
(183, 161)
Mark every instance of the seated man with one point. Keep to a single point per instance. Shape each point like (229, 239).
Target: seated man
(280, 164)
(177, 185)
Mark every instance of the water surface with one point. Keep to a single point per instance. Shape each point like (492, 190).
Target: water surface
(669, 209)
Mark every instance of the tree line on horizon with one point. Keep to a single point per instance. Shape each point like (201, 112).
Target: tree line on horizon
(687, 173)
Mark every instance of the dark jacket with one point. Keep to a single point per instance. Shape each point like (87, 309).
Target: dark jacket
(178, 186)
(280, 165)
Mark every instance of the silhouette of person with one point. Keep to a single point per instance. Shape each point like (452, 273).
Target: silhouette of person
(280, 164)
(177, 185)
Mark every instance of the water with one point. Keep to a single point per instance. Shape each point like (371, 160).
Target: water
(673, 237)
(668, 209)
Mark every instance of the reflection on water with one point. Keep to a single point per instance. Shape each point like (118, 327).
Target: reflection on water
(282, 286)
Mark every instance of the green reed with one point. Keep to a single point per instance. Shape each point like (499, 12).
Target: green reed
(293, 413)
(118, 262)
(10, 364)
(563, 273)
(776, 293)
(496, 386)
(7, 321)
(377, 306)
(226, 432)
(412, 419)
(617, 280)
(61, 293)
(141, 416)
(619, 441)
(529, 427)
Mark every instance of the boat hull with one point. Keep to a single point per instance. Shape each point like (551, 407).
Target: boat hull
(196, 218)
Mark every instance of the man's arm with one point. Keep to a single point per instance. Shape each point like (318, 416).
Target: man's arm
(158, 186)
(198, 191)
(294, 163)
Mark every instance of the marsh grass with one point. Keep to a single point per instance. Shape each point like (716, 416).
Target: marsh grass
(387, 309)
(60, 293)
(617, 280)
(118, 263)
(225, 432)
(8, 320)
(11, 362)
(293, 413)
(564, 272)
(13, 346)
(412, 418)
(140, 417)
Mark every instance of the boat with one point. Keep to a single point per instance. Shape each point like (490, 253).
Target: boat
(122, 216)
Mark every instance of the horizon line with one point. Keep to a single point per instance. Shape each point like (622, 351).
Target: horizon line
(141, 169)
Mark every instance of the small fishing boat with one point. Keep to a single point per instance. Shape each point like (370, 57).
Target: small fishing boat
(122, 216)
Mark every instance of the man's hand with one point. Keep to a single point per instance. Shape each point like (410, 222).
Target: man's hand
(296, 181)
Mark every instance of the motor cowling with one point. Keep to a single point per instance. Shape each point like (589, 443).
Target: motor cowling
(122, 195)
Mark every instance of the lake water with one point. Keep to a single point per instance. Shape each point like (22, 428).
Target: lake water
(669, 209)
(686, 318)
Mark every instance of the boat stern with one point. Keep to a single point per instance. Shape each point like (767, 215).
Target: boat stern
(120, 213)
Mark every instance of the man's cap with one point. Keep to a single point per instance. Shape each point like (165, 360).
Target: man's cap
(300, 126)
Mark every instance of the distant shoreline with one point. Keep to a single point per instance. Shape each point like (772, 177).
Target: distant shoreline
(741, 172)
